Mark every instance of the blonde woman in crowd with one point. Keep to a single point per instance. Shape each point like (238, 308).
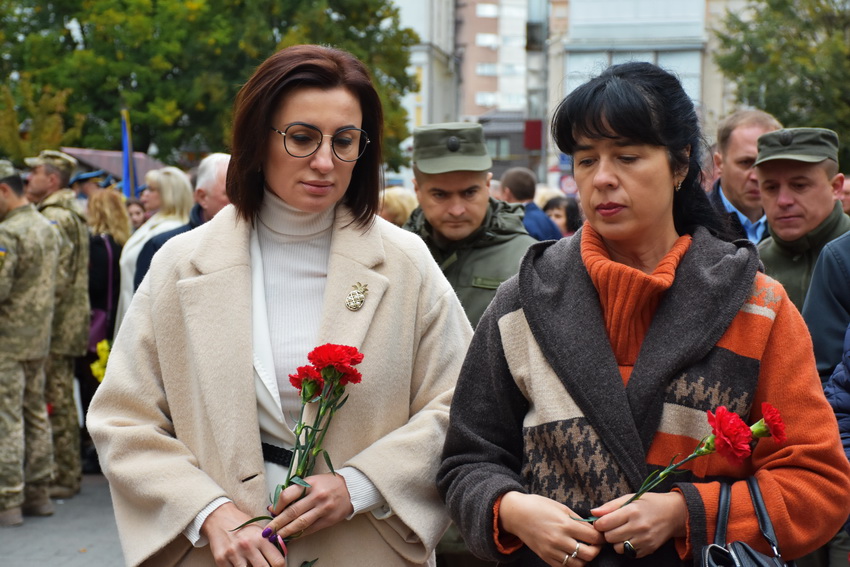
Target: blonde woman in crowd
(544, 194)
(169, 197)
(396, 204)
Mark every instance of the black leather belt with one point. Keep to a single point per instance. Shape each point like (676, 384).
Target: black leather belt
(277, 455)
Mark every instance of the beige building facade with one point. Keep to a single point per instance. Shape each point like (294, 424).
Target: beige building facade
(588, 35)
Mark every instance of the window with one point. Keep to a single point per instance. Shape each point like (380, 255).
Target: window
(513, 100)
(487, 40)
(486, 69)
(512, 69)
(514, 12)
(485, 99)
(498, 148)
(487, 10)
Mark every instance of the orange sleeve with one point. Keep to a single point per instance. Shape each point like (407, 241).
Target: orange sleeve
(681, 544)
(810, 470)
(506, 543)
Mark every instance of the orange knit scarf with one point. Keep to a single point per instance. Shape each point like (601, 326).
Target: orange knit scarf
(629, 297)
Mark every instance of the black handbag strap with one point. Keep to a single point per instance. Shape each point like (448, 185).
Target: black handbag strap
(723, 514)
(765, 525)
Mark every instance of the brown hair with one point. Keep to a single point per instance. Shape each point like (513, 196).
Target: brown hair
(289, 69)
(521, 181)
(107, 214)
(747, 117)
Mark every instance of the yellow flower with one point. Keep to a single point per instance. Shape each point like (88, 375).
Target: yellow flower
(98, 367)
(103, 350)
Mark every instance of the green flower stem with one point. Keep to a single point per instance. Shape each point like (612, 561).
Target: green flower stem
(705, 447)
(652, 482)
(332, 403)
(296, 451)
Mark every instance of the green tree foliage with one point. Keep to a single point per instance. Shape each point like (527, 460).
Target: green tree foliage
(792, 59)
(178, 64)
(43, 127)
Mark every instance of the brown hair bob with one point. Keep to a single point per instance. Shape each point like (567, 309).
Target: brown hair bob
(289, 69)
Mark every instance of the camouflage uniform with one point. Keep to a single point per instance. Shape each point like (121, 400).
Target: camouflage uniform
(69, 337)
(29, 251)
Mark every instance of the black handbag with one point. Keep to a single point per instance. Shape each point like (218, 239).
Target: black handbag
(738, 553)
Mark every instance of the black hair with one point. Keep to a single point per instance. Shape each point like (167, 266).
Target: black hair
(644, 104)
(16, 183)
(572, 212)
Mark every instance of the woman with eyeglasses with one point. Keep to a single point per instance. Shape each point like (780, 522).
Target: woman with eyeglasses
(194, 419)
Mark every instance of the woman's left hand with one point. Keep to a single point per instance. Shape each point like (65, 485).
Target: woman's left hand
(647, 523)
(326, 503)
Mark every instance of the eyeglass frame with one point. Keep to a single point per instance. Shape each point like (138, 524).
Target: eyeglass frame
(319, 145)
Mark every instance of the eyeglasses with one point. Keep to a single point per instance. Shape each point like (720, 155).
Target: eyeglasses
(303, 140)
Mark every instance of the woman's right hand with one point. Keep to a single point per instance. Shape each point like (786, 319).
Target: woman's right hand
(548, 528)
(241, 548)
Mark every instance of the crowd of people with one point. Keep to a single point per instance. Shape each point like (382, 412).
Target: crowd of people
(61, 297)
(529, 357)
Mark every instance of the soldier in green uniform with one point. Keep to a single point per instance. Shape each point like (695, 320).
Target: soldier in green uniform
(48, 187)
(477, 241)
(29, 251)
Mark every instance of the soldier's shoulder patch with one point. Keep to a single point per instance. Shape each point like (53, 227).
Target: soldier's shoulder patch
(2, 255)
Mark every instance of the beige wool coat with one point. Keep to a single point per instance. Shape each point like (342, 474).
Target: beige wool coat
(176, 422)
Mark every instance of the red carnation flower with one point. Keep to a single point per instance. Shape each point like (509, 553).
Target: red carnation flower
(352, 376)
(306, 373)
(774, 422)
(341, 357)
(732, 435)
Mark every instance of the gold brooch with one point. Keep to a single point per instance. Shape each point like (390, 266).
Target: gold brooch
(356, 298)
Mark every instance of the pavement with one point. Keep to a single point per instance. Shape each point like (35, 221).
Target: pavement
(82, 533)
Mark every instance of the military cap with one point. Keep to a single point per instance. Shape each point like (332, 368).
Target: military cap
(59, 160)
(7, 169)
(452, 146)
(107, 181)
(86, 175)
(810, 145)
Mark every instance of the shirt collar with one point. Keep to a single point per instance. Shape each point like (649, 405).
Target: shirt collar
(754, 230)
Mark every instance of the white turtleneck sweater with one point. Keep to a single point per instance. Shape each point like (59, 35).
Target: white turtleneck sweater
(295, 248)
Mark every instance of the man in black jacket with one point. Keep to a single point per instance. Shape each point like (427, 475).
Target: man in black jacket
(736, 194)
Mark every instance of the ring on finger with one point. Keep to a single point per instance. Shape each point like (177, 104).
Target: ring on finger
(629, 550)
(572, 555)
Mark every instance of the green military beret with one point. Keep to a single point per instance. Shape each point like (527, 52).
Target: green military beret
(452, 146)
(810, 145)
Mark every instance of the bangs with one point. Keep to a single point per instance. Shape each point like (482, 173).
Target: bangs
(606, 109)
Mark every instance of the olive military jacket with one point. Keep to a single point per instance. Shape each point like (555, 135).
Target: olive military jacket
(792, 263)
(478, 264)
(29, 250)
(70, 334)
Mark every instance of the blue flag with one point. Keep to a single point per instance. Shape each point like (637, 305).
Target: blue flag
(129, 181)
